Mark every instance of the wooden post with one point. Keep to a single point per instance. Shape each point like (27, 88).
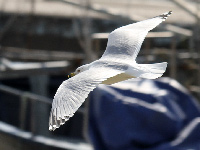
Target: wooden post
(90, 55)
(23, 111)
(33, 118)
(39, 111)
(173, 63)
(198, 43)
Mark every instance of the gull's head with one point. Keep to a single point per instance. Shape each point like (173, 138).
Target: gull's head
(81, 69)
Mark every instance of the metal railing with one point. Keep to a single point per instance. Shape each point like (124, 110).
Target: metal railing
(26, 100)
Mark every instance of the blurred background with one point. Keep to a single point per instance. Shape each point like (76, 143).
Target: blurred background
(42, 41)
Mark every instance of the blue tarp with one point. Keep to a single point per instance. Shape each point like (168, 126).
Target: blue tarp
(144, 114)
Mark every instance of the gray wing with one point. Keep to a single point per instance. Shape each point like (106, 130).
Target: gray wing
(125, 42)
(73, 92)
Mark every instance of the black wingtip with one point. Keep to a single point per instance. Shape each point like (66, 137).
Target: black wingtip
(165, 15)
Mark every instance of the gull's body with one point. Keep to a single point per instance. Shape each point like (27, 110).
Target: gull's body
(117, 64)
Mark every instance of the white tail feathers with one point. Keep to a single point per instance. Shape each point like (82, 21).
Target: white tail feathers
(153, 71)
(148, 71)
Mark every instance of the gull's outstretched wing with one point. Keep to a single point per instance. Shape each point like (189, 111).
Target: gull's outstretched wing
(125, 42)
(73, 92)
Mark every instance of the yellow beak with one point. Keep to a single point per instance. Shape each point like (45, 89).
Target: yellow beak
(70, 75)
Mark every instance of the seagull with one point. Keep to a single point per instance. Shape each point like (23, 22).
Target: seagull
(116, 64)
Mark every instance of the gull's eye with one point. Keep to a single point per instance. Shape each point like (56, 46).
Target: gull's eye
(78, 71)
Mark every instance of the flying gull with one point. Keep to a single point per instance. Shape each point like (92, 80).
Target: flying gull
(117, 64)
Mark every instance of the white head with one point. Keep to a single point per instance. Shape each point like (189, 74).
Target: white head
(81, 69)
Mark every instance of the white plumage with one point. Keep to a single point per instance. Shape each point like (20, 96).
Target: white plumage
(117, 64)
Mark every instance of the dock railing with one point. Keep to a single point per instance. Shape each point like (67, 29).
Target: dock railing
(29, 103)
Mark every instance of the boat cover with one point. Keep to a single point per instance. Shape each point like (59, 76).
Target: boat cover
(144, 114)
